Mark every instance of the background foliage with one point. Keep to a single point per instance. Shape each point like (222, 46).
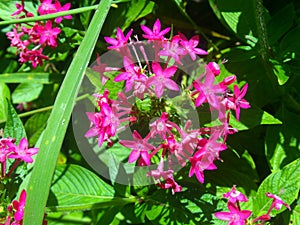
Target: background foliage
(260, 42)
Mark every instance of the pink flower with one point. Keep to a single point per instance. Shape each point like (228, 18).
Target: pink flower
(191, 46)
(120, 40)
(237, 101)
(173, 50)
(160, 126)
(208, 91)
(131, 75)
(19, 206)
(48, 34)
(162, 79)
(155, 33)
(277, 202)
(235, 196)
(100, 68)
(47, 7)
(199, 162)
(34, 56)
(235, 216)
(63, 8)
(140, 148)
(22, 151)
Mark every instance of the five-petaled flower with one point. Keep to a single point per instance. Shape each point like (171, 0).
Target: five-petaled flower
(162, 78)
(235, 216)
(140, 148)
(22, 151)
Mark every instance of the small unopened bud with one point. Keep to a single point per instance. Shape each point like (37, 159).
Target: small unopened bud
(214, 68)
(229, 80)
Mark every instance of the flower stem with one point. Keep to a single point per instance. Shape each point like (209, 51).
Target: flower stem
(13, 167)
(49, 16)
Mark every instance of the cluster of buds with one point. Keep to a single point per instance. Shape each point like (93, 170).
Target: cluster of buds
(31, 39)
(236, 216)
(179, 145)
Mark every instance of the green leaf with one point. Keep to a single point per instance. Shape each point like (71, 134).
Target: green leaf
(126, 13)
(14, 126)
(281, 71)
(192, 206)
(285, 181)
(60, 218)
(282, 142)
(237, 15)
(277, 26)
(76, 188)
(26, 92)
(51, 142)
(4, 94)
(7, 7)
(35, 125)
(253, 117)
(42, 78)
(295, 217)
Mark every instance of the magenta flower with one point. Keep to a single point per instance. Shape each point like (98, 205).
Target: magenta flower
(100, 68)
(104, 124)
(19, 206)
(235, 196)
(34, 56)
(160, 126)
(22, 151)
(235, 216)
(173, 50)
(140, 148)
(120, 40)
(48, 34)
(237, 101)
(131, 75)
(208, 91)
(277, 202)
(162, 79)
(46, 7)
(191, 46)
(199, 162)
(60, 8)
(155, 33)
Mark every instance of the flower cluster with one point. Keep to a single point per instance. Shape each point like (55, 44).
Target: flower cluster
(31, 39)
(179, 145)
(16, 211)
(20, 152)
(236, 216)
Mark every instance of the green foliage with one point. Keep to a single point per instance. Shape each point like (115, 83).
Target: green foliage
(14, 127)
(76, 188)
(26, 92)
(260, 40)
(284, 183)
(4, 95)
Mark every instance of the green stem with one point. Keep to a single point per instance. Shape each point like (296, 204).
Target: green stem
(264, 42)
(50, 16)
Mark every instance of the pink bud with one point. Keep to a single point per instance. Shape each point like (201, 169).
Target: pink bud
(214, 68)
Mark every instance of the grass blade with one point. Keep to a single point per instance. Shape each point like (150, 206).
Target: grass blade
(40, 180)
